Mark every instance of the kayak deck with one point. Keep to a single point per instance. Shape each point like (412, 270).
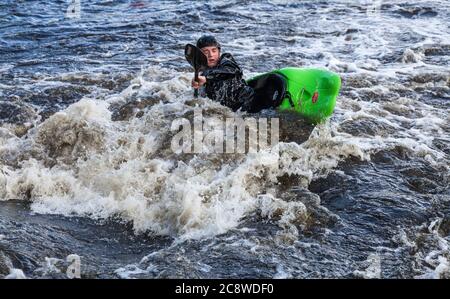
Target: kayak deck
(310, 92)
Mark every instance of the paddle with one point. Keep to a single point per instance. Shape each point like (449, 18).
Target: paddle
(197, 59)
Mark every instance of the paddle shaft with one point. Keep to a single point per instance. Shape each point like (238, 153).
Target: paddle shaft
(196, 73)
(196, 80)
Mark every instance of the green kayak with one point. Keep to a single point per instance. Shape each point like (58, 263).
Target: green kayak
(310, 92)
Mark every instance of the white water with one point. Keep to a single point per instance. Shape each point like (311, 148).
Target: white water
(80, 162)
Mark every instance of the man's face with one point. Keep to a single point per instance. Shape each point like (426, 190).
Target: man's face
(213, 55)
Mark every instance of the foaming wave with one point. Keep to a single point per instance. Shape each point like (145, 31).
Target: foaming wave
(80, 162)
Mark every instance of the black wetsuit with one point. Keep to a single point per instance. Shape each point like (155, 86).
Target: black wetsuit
(224, 84)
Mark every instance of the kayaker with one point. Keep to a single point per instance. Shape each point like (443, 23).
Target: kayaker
(223, 78)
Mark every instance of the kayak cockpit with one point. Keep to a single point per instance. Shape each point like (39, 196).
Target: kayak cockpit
(270, 90)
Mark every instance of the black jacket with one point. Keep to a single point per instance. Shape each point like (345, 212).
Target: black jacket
(224, 84)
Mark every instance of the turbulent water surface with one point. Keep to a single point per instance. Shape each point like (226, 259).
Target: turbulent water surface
(87, 102)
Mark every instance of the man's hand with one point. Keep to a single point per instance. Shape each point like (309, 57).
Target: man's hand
(199, 83)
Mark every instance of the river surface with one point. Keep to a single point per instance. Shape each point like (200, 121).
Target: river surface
(87, 99)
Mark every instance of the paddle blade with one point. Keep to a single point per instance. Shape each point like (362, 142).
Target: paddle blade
(195, 57)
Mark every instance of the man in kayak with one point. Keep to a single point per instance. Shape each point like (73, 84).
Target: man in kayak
(223, 78)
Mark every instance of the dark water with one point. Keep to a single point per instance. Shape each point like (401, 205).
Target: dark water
(86, 105)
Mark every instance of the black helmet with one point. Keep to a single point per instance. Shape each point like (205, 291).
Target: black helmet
(207, 41)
